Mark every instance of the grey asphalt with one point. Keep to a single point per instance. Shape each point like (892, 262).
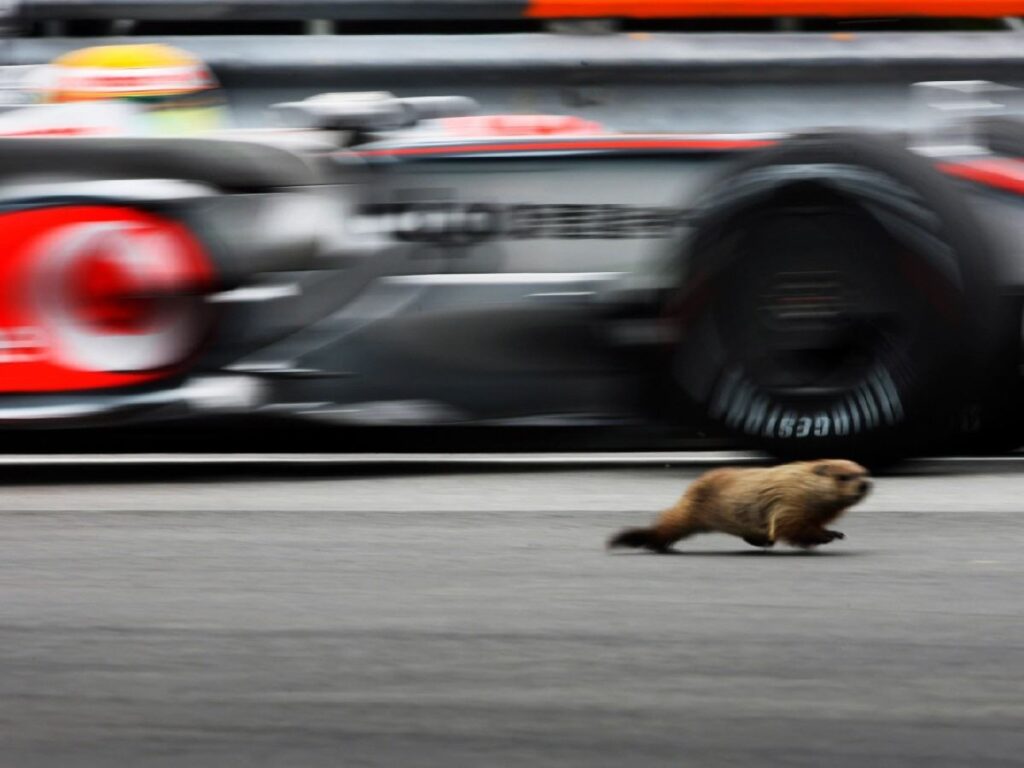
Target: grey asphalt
(470, 617)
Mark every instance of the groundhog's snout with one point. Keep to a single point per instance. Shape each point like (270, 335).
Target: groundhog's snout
(863, 488)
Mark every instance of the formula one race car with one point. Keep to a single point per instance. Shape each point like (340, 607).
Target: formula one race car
(400, 261)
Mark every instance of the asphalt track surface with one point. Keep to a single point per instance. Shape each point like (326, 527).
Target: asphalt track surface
(395, 615)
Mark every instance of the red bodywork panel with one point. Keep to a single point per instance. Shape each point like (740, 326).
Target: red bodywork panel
(84, 302)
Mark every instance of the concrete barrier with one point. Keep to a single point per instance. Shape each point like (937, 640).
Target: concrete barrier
(502, 9)
(631, 80)
(657, 81)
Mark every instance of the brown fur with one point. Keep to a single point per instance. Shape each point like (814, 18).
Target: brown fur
(791, 503)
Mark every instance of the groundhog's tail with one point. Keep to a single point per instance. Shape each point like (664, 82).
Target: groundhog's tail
(637, 538)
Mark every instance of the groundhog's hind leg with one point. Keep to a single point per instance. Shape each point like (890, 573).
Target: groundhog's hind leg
(672, 525)
(675, 524)
(791, 525)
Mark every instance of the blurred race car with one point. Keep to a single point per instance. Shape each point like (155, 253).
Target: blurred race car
(402, 261)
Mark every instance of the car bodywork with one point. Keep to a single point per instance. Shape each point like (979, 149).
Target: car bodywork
(500, 270)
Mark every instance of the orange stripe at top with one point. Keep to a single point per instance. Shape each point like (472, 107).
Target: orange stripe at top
(638, 9)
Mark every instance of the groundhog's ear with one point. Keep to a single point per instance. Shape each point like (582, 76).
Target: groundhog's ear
(821, 469)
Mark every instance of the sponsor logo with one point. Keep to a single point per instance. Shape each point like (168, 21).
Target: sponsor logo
(458, 223)
(90, 298)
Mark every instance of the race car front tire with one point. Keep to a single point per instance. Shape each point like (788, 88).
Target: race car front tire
(837, 300)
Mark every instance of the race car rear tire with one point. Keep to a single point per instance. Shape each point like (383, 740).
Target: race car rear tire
(836, 301)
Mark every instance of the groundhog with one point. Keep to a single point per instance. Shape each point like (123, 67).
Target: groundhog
(791, 503)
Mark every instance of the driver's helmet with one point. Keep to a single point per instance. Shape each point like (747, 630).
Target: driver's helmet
(171, 90)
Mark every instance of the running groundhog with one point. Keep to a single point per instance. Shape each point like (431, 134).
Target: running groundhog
(791, 503)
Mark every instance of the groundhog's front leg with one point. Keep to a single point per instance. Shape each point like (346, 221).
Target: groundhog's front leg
(812, 537)
(758, 540)
(798, 527)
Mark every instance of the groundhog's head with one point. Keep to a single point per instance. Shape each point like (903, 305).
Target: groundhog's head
(848, 480)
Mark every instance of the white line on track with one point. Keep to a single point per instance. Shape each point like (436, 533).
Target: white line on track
(632, 458)
(569, 459)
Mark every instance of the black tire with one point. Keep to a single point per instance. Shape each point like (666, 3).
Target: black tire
(837, 301)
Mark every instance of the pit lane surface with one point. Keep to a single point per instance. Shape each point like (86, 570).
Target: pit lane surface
(378, 615)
